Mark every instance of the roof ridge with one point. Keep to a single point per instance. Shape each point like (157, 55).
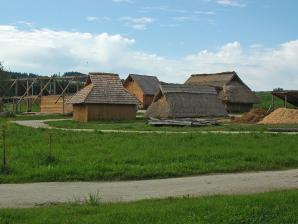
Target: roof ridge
(103, 73)
(143, 75)
(219, 73)
(92, 86)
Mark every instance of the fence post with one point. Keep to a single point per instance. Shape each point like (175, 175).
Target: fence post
(5, 166)
(50, 146)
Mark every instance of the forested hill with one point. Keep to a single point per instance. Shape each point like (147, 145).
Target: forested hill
(15, 75)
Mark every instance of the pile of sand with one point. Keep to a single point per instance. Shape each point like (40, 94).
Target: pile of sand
(253, 116)
(281, 116)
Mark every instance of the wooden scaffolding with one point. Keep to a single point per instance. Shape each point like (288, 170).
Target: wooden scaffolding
(35, 88)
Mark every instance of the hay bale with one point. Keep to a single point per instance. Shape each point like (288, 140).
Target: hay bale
(253, 116)
(281, 116)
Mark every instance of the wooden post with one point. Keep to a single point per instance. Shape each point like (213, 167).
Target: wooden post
(27, 91)
(13, 106)
(55, 91)
(77, 86)
(41, 87)
(286, 101)
(50, 145)
(16, 88)
(63, 104)
(16, 94)
(5, 167)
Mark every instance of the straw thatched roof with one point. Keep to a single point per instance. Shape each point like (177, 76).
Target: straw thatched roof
(185, 101)
(229, 86)
(103, 88)
(148, 84)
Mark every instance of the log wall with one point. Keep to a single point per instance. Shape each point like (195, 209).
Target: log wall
(135, 90)
(48, 105)
(94, 112)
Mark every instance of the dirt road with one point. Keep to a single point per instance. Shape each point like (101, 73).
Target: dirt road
(29, 195)
(43, 124)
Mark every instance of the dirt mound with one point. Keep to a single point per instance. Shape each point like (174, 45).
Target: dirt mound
(253, 116)
(281, 116)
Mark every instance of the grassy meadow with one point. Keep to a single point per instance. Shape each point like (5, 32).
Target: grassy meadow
(141, 124)
(122, 156)
(266, 208)
(96, 156)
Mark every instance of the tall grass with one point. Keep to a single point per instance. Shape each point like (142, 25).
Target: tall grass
(267, 208)
(98, 156)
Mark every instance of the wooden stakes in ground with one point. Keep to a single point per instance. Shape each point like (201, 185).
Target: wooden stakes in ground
(50, 158)
(5, 169)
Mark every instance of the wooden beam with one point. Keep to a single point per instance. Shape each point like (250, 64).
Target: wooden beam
(62, 94)
(27, 90)
(16, 91)
(41, 91)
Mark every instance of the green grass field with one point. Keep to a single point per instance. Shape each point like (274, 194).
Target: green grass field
(141, 124)
(98, 156)
(267, 208)
(22, 107)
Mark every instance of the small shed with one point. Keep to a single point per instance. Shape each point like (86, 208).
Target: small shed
(103, 98)
(234, 93)
(54, 104)
(288, 96)
(143, 87)
(185, 101)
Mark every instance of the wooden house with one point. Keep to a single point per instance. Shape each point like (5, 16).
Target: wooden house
(234, 93)
(185, 101)
(103, 98)
(143, 87)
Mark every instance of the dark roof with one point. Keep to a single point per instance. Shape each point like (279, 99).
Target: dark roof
(231, 88)
(103, 88)
(180, 88)
(291, 95)
(148, 84)
(214, 79)
(185, 101)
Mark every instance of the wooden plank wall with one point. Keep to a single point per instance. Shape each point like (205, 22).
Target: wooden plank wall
(135, 90)
(111, 112)
(147, 101)
(94, 112)
(48, 105)
(80, 112)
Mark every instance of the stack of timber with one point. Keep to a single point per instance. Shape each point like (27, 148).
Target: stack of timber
(183, 122)
(283, 129)
(49, 104)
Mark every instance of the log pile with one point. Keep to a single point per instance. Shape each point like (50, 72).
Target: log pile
(183, 122)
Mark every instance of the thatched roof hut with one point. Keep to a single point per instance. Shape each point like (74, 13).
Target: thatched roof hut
(234, 93)
(185, 101)
(103, 98)
(143, 87)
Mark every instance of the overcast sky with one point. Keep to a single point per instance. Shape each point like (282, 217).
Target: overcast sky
(167, 38)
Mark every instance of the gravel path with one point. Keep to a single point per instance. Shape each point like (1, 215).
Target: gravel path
(34, 194)
(43, 124)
